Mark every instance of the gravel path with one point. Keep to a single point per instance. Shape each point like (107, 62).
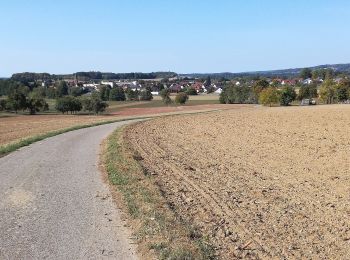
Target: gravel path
(54, 203)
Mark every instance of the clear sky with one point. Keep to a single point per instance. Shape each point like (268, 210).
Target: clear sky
(66, 36)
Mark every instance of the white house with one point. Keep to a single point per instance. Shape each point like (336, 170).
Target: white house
(307, 81)
(110, 83)
(218, 91)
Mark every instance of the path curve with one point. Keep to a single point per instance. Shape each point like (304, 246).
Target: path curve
(54, 203)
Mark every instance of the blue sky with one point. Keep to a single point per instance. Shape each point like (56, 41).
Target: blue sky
(183, 35)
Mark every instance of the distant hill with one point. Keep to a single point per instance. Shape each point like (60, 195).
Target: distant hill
(92, 75)
(338, 68)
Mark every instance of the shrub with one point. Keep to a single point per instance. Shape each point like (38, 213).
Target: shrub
(68, 104)
(146, 95)
(165, 94)
(117, 94)
(191, 92)
(181, 98)
(287, 96)
(236, 95)
(269, 96)
(94, 104)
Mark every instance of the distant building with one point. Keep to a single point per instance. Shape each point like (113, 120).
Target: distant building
(110, 83)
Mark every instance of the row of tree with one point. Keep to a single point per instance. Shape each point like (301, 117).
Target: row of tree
(93, 104)
(264, 93)
(19, 100)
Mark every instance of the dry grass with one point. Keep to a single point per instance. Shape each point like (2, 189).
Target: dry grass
(260, 182)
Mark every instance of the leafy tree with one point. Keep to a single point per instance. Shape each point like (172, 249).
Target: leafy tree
(76, 91)
(233, 94)
(165, 94)
(117, 94)
(35, 104)
(50, 93)
(306, 73)
(307, 91)
(191, 91)
(328, 91)
(39, 91)
(259, 86)
(269, 96)
(104, 92)
(146, 94)
(61, 88)
(343, 91)
(181, 98)
(287, 96)
(3, 104)
(68, 104)
(132, 94)
(94, 104)
(16, 101)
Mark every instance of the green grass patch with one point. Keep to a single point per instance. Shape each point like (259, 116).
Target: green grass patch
(158, 229)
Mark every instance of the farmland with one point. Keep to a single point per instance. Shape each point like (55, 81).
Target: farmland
(16, 127)
(258, 182)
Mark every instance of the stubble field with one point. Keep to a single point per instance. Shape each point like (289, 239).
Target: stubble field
(259, 182)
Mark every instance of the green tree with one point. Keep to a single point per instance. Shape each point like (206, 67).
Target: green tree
(50, 93)
(76, 91)
(94, 104)
(328, 91)
(342, 91)
(104, 92)
(287, 95)
(146, 94)
(259, 86)
(35, 103)
(132, 94)
(269, 96)
(306, 73)
(191, 91)
(181, 98)
(165, 94)
(16, 101)
(307, 91)
(233, 94)
(68, 104)
(61, 88)
(117, 94)
(3, 104)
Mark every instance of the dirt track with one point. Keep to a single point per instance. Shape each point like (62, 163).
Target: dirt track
(260, 182)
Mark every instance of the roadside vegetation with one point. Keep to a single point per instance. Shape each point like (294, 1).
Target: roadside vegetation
(319, 85)
(159, 230)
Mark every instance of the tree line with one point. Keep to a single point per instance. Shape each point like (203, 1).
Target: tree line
(267, 94)
(88, 76)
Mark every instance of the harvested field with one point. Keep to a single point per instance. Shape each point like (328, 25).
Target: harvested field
(16, 127)
(259, 182)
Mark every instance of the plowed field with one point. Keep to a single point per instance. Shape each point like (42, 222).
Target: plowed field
(259, 182)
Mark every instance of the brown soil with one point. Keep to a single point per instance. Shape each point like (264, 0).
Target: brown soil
(160, 110)
(15, 128)
(259, 182)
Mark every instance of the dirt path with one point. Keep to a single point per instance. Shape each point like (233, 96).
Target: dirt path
(260, 182)
(54, 204)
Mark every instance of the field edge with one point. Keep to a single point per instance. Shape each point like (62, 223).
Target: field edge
(158, 230)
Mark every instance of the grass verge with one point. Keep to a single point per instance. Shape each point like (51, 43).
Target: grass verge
(160, 232)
